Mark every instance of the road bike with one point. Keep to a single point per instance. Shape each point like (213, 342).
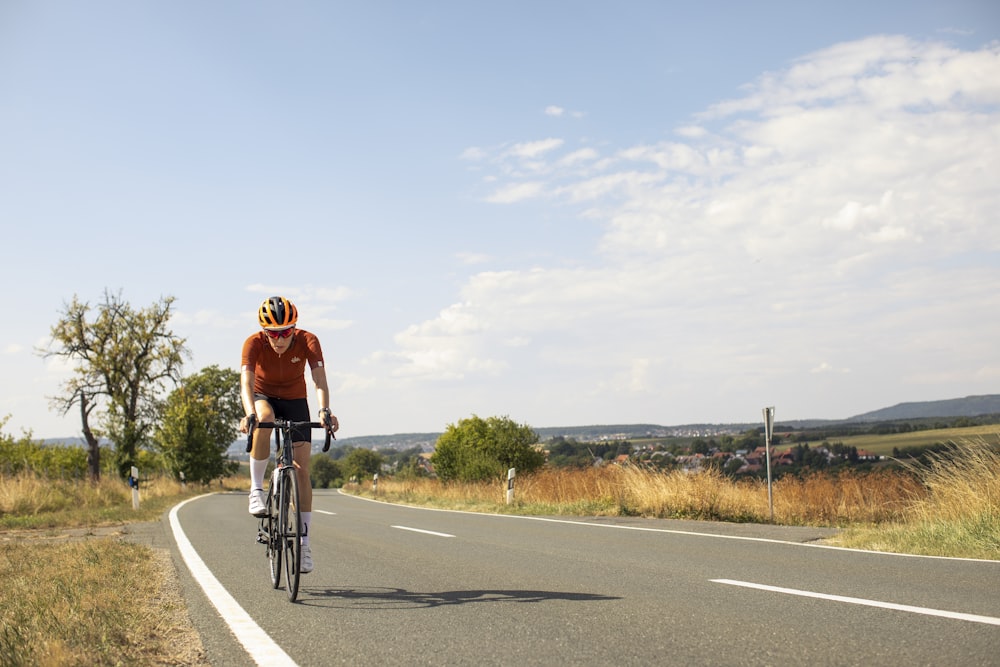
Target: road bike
(280, 530)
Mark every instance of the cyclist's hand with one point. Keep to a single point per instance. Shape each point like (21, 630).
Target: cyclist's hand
(247, 422)
(329, 420)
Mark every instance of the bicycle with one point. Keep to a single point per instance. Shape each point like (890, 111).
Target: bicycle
(280, 530)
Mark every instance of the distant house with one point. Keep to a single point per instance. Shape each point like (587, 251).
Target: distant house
(785, 458)
(865, 455)
(424, 462)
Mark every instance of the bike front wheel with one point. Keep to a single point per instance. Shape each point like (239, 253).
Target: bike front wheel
(290, 528)
(274, 541)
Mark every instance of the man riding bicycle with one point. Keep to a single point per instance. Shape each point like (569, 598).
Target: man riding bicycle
(273, 385)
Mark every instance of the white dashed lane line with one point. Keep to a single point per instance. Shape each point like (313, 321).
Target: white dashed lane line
(973, 618)
(425, 532)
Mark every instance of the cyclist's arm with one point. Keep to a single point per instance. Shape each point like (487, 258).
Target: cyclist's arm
(323, 392)
(247, 378)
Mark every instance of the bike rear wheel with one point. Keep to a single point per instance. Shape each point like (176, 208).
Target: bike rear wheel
(291, 530)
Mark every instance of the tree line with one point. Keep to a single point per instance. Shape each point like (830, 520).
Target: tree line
(127, 387)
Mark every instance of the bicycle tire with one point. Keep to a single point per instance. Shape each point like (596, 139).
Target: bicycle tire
(291, 531)
(273, 538)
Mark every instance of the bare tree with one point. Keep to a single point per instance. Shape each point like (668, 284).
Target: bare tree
(124, 358)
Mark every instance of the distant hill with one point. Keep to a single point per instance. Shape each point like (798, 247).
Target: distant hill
(970, 406)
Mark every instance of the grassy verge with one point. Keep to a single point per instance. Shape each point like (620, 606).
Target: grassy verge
(90, 601)
(950, 507)
(93, 602)
(959, 515)
(31, 502)
(818, 500)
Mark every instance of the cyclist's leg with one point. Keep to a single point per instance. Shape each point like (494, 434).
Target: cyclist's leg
(260, 453)
(302, 452)
(259, 456)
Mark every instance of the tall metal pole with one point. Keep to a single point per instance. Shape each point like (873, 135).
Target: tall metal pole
(768, 430)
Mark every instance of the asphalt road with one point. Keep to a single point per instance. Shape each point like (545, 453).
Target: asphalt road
(406, 586)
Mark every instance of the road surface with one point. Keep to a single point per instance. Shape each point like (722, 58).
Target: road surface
(407, 586)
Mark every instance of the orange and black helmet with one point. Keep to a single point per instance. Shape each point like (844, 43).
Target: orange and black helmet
(277, 312)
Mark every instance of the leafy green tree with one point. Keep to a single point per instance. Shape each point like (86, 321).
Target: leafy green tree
(124, 358)
(362, 463)
(325, 472)
(479, 449)
(200, 421)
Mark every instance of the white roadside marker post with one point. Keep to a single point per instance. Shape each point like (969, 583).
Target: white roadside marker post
(133, 481)
(510, 486)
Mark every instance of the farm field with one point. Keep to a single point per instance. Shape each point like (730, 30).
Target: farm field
(885, 443)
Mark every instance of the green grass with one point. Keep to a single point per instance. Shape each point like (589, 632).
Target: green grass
(884, 444)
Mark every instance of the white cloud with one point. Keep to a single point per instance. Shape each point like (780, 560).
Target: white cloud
(554, 111)
(823, 214)
(441, 349)
(473, 153)
(533, 149)
(579, 156)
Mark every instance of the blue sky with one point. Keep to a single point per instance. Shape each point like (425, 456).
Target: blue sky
(565, 212)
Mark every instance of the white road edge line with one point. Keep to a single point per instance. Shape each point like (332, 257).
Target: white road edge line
(425, 532)
(325, 512)
(259, 646)
(974, 618)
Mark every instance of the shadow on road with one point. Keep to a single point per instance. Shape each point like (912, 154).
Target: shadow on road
(400, 598)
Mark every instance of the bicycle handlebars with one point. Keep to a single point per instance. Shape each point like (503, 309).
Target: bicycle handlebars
(287, 426)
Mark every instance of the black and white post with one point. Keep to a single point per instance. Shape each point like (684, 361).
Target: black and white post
(133, 481)
(510, 486)
(768, 431)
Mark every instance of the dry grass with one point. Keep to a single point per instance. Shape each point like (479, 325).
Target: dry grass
(633, 491)
(958, 513)
(89, 601)
(30, 501)
(94, 602)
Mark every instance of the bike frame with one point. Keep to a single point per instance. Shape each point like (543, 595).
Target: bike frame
(280, 530)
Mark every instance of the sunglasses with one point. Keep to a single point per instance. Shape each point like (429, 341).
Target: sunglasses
(284, 333)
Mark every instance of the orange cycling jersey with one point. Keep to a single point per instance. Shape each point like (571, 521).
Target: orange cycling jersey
(281, 376)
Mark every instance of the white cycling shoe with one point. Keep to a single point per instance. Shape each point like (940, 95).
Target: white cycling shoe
(305, 559)
(258, 504)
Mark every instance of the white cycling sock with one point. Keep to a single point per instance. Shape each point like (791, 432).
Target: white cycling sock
(306, 520)
(257, 470)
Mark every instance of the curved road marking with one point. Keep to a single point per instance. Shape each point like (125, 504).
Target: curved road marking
(259, 646)
(974, 618)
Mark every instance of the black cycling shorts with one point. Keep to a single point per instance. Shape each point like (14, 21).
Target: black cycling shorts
(294, 410)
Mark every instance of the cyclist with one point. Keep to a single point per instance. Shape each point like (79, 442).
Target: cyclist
(273, 385)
